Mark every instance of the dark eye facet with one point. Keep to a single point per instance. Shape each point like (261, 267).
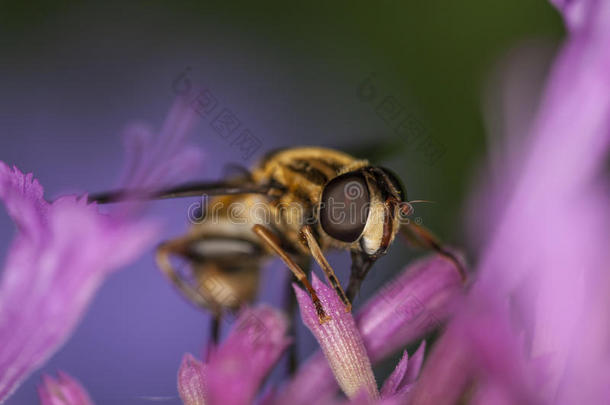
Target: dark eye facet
(344, 207)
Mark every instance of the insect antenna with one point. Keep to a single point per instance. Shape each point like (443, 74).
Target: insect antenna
(407, 207)
(185, 190)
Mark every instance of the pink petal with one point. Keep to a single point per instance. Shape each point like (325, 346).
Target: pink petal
(400, 382)
(574, 11)
(57, 261)
(237, 368)
(543, 273)
(447, 372)
(393, 382)
(418, 300)
(22, 197)
(339, 339)
(478, 347)
(415, 363)
(510, 101)
(491, 394)
(158, 160)
(411, 305)
(191, 381)
(313, 380)
(553, 236)
(63, 391)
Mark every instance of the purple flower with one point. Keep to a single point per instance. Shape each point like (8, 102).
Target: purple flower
(235, 370)
(159, 159)
(415, 302)
(395, 389)
(400, 382)
(191, 381)
(62, 391)
(55, 265)
(340, 341)
(575, 11)
(534, 328)
(63, 251)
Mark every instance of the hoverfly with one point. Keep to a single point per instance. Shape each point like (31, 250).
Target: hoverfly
(328, 186)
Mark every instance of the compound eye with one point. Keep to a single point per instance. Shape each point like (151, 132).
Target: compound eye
(344, 207)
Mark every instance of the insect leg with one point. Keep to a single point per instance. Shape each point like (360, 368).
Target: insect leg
(422, 237)
(291, 307)
(271, 241)
(215, 327)
(317, 254)
(177, 247)
(361, 264)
